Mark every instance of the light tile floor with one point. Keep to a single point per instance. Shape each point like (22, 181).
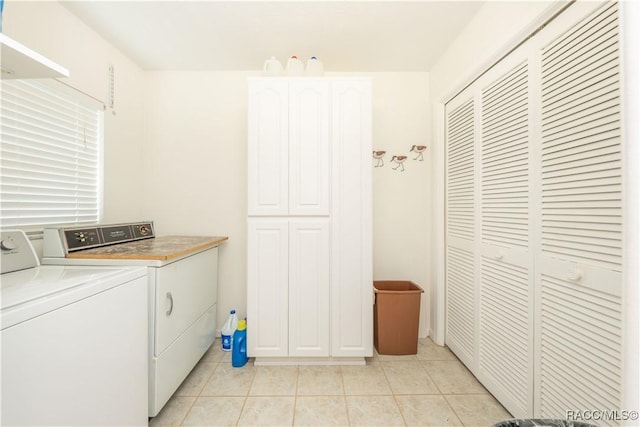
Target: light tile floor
(431, 388)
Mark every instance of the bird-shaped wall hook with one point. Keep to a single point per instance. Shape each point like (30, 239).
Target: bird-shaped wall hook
(378, 155)
(399, 160)
(418, 149)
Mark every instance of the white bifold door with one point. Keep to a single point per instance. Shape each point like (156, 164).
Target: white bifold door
(534, 220)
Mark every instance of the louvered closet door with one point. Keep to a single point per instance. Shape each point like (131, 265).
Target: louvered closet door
(505, 359)
(579, 269)
(461, 311)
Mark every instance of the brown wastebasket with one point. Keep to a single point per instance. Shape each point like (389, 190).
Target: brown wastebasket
(396, 314)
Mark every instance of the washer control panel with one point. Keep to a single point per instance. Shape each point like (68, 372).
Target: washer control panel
(16, 251)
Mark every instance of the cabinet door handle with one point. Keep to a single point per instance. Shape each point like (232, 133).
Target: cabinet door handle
(499, 255)
(170, 297)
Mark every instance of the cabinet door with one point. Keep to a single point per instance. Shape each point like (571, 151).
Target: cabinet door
(309, 288)
(351, 207)
(267, 287)
(268, 146)
(309, 147)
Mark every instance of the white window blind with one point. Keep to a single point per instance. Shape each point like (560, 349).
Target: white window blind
(51, 156)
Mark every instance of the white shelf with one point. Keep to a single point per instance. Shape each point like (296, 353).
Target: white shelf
(19, 62)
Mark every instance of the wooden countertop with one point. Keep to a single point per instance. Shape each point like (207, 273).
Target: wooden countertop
(158, 248)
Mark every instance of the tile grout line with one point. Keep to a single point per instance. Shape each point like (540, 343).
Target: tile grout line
(295, 396)
(393, 394)
(344, 395)
(186, 415)
(246, 397)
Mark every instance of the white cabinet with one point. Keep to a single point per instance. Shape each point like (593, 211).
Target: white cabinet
(309, 226)
(268, 287)
(289, 147)
(351, 220)
(309, 287)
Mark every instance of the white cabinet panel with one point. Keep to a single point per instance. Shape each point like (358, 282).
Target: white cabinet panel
(267, 287)
(268, 148)
(351, 238)
(309, 147)
(309, 287)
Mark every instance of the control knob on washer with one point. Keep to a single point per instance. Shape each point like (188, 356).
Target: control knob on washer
(8, 244)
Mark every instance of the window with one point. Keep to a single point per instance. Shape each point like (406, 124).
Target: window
(51, 155)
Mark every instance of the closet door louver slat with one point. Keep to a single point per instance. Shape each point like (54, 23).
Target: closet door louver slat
(581, 149)
(460, 303)
(579, 279)
(505, 331)
(460, 198)
(505, 160)
(581, 345)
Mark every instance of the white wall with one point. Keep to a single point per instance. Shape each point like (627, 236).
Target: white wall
(51, 30)
(175, 149)
(195, 171)
(402, 200)
(195, 166)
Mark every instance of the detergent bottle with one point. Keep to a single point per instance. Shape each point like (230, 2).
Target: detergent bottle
(314, 67)
(228, 329)
(295, 67)
(239, 355)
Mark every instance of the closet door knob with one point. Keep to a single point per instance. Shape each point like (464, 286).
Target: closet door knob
(575, 275)
(499, 255)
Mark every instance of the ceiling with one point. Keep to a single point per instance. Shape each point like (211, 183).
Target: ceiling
(358, 36)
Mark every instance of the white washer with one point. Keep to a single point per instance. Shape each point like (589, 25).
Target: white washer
(73, 341)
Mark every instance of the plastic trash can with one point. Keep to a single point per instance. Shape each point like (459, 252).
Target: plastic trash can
(396, 315)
